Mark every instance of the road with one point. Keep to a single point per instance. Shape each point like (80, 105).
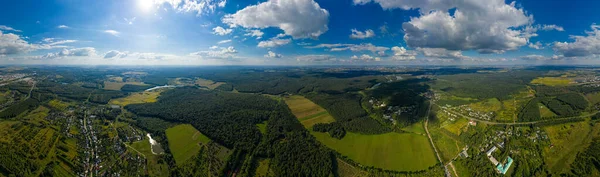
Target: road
(432, 144)
(517, 123)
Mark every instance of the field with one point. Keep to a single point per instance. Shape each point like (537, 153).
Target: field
(457, 126)
(345, 169)
(594, 98)
(184, 142)
(108, 85)
(208, 83)
(415, 128)
(57, 104)
(489, 105)
(135, 98)
(155, 168)
(568, 140)
(447, 143)
(391, 151)
(307, 112)
(552, 81)
(545, 112)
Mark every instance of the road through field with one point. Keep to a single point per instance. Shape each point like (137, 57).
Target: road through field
(431, 141)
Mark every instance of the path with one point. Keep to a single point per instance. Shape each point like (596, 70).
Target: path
(432, 144)
(518, 123)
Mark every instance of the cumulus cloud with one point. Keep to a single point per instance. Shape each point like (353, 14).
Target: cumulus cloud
(116, 53)
(582, 46)
(201, 7)
(365, 57)
(224, 41)
(85, 51)
(14, 44)
(255, 33)
(490, 26)
(7, 28)
(552, 27)
(315, 58)
(400, 53)
(297, 18)
(217, 52)
(536, 45)
(112, 32)
(221, 31)
(274, 42)
(534, 57)
(441, 53)
(362, 35)
(352, 47)
(63, 26)
(271, 54)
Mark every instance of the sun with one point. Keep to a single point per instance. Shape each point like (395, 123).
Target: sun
(145, 5)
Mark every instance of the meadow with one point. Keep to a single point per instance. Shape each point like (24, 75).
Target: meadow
(184, 142)
(390, 151)
(552, 81)
(567, 140)
(307, 112)
(545, 112)
(137, 98)
(208, 83)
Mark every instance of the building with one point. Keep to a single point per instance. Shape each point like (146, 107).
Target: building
(504, 168)
(489, 152)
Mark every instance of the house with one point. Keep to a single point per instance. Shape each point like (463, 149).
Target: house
(489, 152)
(504, 168)
(472, 123)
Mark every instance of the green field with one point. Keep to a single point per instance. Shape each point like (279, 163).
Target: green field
(568, 139)
(136, 98)
(155, 168)
(184, 142)
(545, 112)
(391, 151)
(552, 81)
(415, 128)
(307, 112)
(594, 98)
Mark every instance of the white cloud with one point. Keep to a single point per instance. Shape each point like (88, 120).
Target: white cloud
(582, 46)
(534, 57)
(85, 51)
(221, 31)
(552, 27)
(537, 45)
(112, 32)
(201, 7)
(116, 53)
(273, 42)
(271, 54)
(214, 47)
(441, 53)
(14, 44)
(315, 58)
(352, 47)
(297, 18)
(362, 35)
(63, 26)
(400, 53)
(365, 57)
(217, 52)
(224, 41)
(255, 33)
(489, 26)
(7, 28)
(129, 21)
(303, 43)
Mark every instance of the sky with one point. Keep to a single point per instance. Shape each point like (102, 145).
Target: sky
(299, 32)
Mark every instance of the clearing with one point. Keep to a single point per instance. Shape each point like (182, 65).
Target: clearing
(552, 81)
(137, 98)
(208, 83)
(184, 142)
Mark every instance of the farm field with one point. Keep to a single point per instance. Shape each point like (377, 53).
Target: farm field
(184, 142)
(552, 81)
(416, 128)
(307, 112)
(208, 83)
(391, 151)
(136, 98)
(108, 85)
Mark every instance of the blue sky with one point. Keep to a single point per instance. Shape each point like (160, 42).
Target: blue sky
(299, 32)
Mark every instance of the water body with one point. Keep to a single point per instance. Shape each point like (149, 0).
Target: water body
(154, 146)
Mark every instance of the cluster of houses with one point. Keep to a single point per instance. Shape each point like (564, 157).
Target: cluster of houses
(468, 111)
(501, 168)
(390, 111)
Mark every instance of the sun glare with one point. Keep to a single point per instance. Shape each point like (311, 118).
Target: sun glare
(145, 5)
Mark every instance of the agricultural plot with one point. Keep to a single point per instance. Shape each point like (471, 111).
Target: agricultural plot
(415, 128)
(208, 83)
(391, 151)
(552, 81)
(184, 142)
(307, 112)
(108, 85)
(137, 98)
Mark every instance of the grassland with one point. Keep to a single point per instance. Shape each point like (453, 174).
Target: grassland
(57, 104)
(567, 140)
(108, 85)
(184, 142)
(457, 126)
(545, 112)
(415, 128)
(307, 112)
(155, 168)
(262, 127)
(263, 169)
(391, 151)
(552, 81)
(593, 98)
(135, 98)
(510, 107)
(345, 169)
(489, 105)
(208, 83)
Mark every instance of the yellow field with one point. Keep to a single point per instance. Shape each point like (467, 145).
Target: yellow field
(115, 79)
(208, 83)
(307, 112)
(552, 81)
(136, 98)
(118, 85)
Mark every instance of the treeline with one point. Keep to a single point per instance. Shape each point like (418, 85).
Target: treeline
(587, 163)
(334, 129)
(563, 105)
(347, 110)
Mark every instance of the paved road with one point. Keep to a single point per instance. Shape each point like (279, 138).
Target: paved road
(432, 144)
(518, 123)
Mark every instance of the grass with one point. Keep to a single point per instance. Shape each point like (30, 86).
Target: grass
(416, 128)
(154, 167)
(263, 168)
(108, 85)
(552, 81)
(447, 146)
(489, 105)
(457, 126)
(594, 98)
(262, 127)
(57, 104)
(545, 112)
(208, 83)
(307, 112)
(568, 139)
(184, 142)
(136, 98)
(391, 151)
(345, 169)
